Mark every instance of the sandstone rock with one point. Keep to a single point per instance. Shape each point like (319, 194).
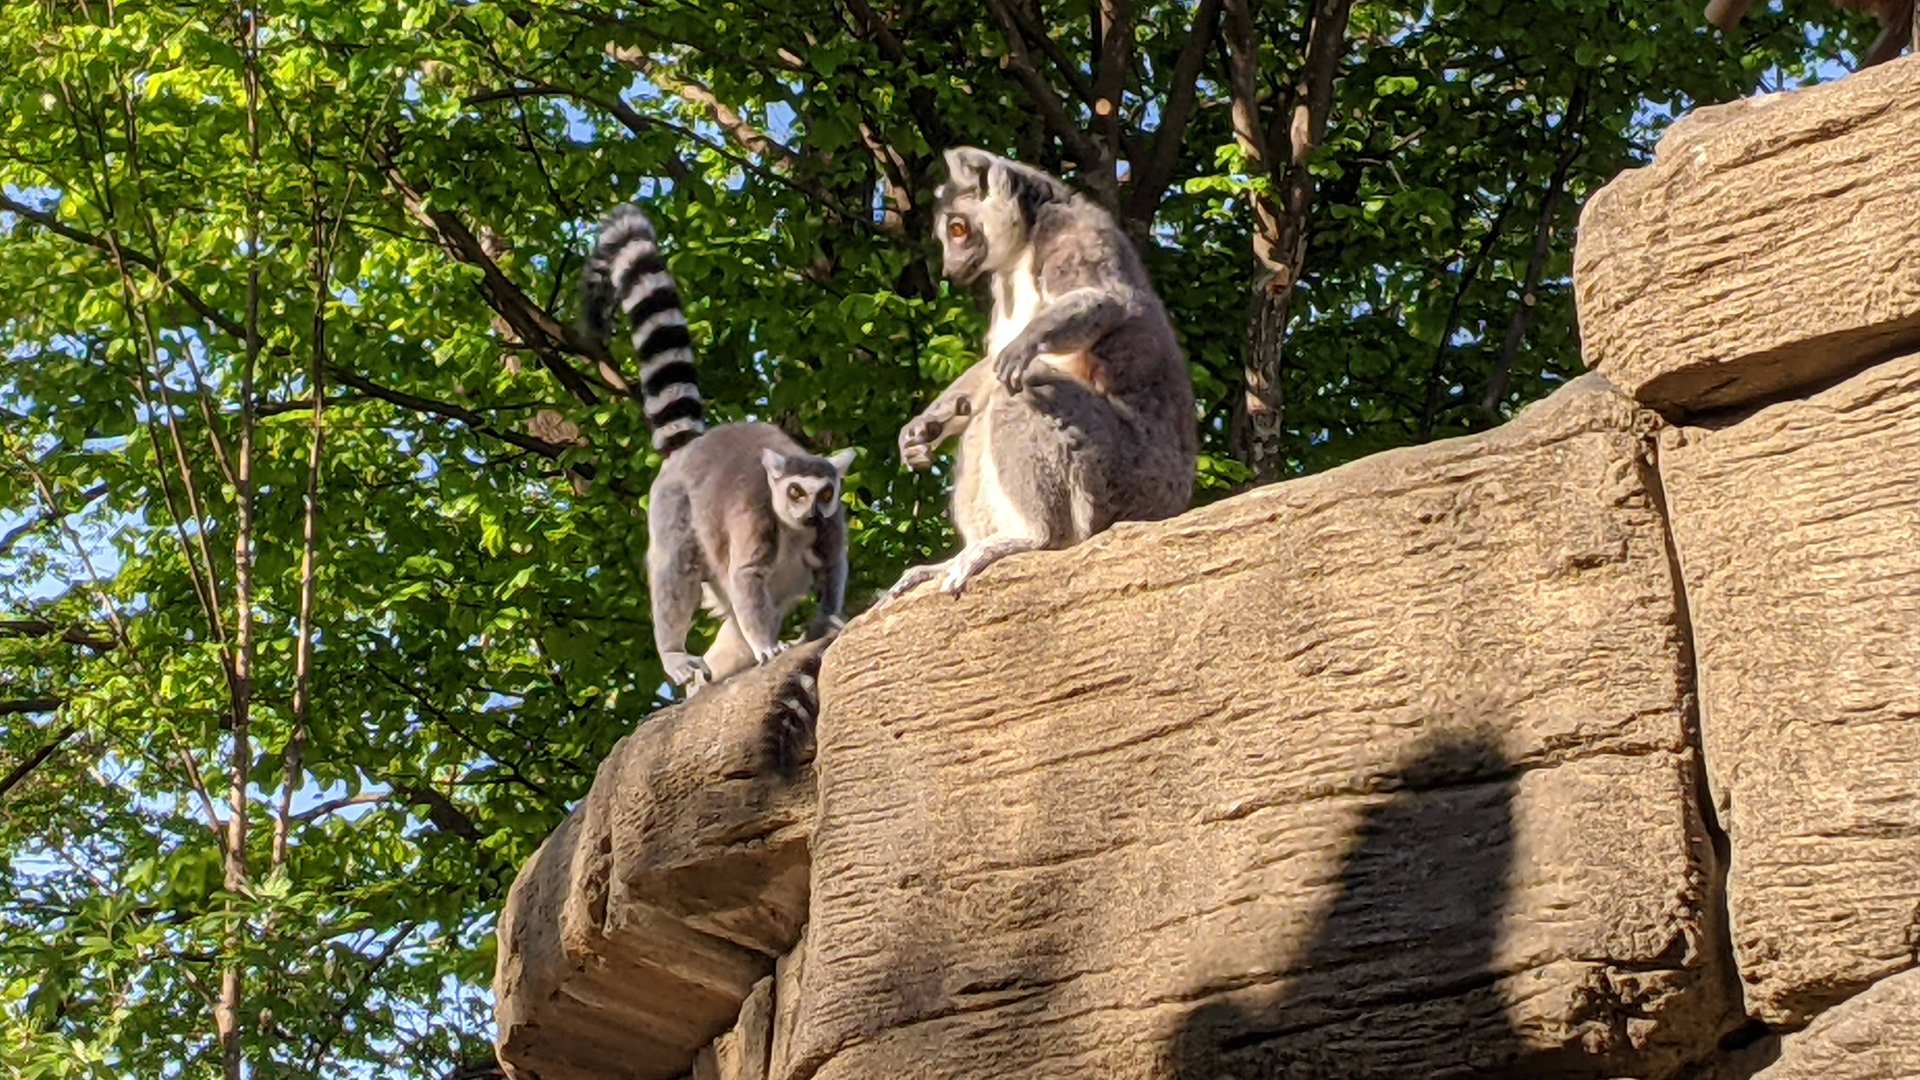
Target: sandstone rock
(1381, 773)
(786, 1005)
(631, 938)
(1773, 244)
(1798, 531)
(741, 1054)
(1875, 1036)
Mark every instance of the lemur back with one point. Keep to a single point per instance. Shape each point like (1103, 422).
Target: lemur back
(740, 514)
(1081, 413)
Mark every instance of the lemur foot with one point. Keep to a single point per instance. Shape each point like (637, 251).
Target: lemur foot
(971, 560)
(686, 670)
(823, 626)
(911, 580)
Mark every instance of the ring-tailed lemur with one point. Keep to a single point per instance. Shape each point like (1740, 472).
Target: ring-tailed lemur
(1081, 413)
(740, 513)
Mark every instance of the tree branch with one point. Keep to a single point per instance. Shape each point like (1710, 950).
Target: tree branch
(14, 535)
(1052, 111)
(72, 635)
(174, 284)
(1151, 177)
(920, 100)
(677, 169)
(479, 424)
(541, 332)
(34, 760)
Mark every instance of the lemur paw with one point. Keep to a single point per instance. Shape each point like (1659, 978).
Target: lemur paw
(764, 653)
(1011, 364)
(917, 440)
(686, 669)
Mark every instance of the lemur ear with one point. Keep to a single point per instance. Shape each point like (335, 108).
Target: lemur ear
(842, 460)
(774, 460)
(967, 167)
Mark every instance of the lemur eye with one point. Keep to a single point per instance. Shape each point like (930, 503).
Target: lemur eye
(796, 492)
(957, 229)
(826, 496)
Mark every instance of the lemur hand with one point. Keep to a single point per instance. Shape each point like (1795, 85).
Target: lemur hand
(1011, 363)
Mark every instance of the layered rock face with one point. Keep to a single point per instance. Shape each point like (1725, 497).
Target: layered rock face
(1585, 748)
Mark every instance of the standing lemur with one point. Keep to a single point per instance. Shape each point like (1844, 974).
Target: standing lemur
(741, 513)
(1080, 414)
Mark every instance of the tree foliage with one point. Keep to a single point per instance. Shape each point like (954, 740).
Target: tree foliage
(314, 504)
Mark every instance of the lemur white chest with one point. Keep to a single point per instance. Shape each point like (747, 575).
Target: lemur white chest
(1016, 300)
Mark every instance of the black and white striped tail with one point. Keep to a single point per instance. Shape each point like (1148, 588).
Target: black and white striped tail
(626, 269)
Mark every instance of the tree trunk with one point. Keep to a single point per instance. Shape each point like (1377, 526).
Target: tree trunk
(1280, 232)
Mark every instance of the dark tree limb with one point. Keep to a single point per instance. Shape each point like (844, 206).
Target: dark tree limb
(1430, 403)
(72, 635)
(549, 340)
(1524, 311)
(1079, 145)
(1151, 177)
(474, 421)
(173, 283)
(14, 535)
(920, 100)
(36, 759)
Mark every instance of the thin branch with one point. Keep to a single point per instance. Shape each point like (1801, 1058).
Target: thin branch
(1081, 147)
(1523, 313)
(724, 116)
(309, 530)
(920, 100)
(541, 332)
(72, 635)
(241, 656)
(1436, 372)
(34, 760)
(479, 424)
(30, 706)
(15, 534)
(148, 262)
(355, 995)
(633, 121)
(1151, 177)
(314, 813)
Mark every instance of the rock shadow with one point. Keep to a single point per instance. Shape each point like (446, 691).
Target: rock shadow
(1398, 981)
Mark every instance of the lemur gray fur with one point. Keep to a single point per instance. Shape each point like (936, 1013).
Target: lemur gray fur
(739, 514)
(1081, 412)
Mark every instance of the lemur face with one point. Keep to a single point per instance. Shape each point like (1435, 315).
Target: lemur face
(805, 489)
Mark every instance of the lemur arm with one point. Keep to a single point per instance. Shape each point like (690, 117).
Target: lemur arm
(830, 581)
(947, 417)
(1073, 323)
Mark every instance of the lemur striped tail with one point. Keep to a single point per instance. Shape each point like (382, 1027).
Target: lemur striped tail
(626, 269)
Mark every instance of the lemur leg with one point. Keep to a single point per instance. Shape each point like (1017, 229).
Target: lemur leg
(1018, 493)
(729, 654)
(755, 611)
(674, 570)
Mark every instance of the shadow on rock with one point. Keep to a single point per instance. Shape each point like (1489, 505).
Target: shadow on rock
(1398, 981)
